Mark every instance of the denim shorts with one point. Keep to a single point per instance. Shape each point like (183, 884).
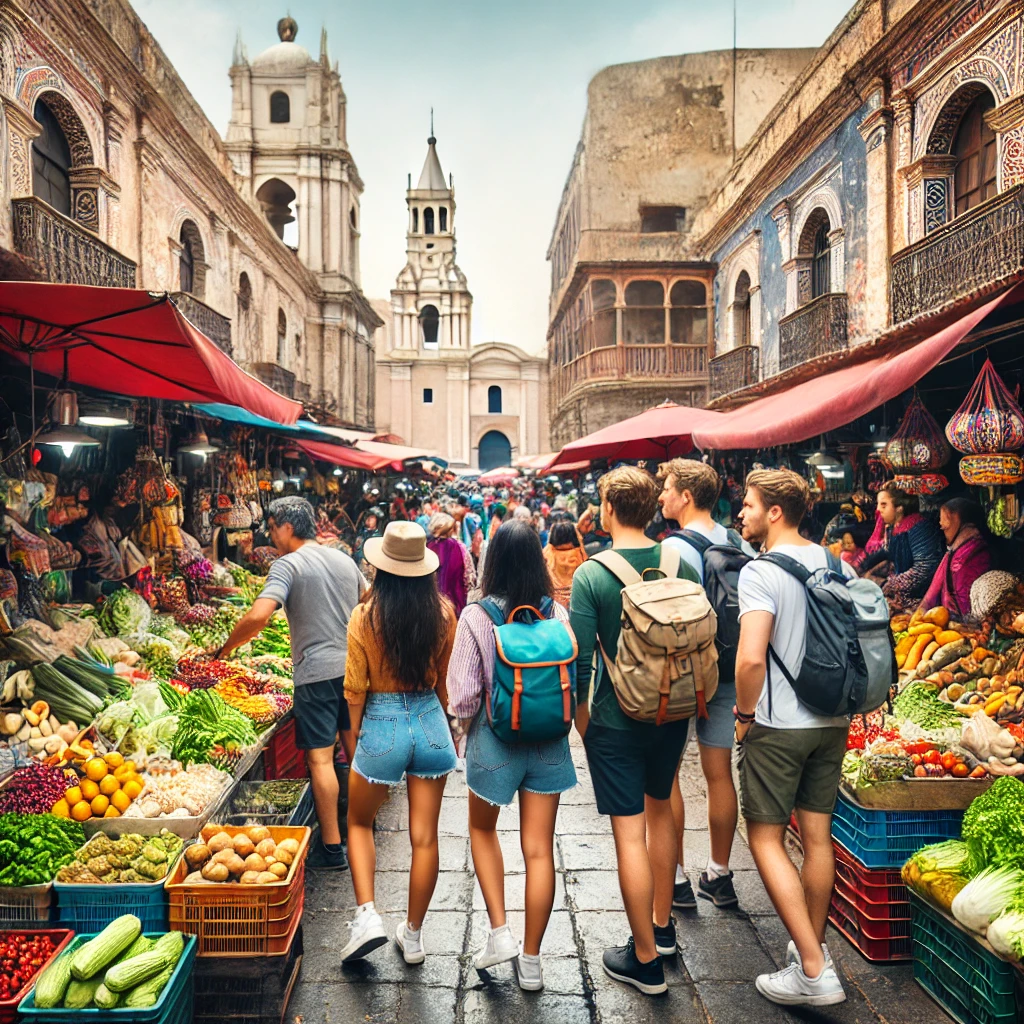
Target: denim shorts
(719, 728)
(403, 733)
(496, 771)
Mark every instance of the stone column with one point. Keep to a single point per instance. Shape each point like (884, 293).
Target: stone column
(876, 130)
(22, 128)
(901, 151)
(1007, 121)
(401, 401)
(458, 411)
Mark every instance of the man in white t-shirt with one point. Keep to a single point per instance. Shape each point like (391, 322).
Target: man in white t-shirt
(790, 757)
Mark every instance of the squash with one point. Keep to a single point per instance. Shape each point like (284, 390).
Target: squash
(923, 627)
(134, 971)
(141, 945)
(53, 983)
(149, 992)
(939, 616)
(948, 636)
(103, 949)
(914, 657)
(105, 999)
(80, 993)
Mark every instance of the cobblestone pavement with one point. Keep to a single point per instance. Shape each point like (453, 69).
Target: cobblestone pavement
(711, 980)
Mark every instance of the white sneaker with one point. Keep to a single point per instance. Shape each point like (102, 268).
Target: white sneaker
(366, 933)
(793, 957)
(529, 973)
(412, 948)
(501, 946)
(791, 987)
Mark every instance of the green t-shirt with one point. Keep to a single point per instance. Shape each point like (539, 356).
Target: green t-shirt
(595, 610)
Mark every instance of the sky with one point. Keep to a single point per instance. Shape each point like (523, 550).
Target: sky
(508, 83)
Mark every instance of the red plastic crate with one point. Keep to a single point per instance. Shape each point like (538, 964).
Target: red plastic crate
(877, 941)
(281, 758)
(60, 937)
(875, 885)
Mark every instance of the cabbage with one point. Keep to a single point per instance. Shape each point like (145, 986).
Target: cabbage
(1006, 933)
(952, 856)
(986, 896)
(993, 825)
(125, 611)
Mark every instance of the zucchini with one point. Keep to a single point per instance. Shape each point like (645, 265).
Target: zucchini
(170, 946)
(53, 982)
(80, 993)
(103, 949)
(134, 971)
(105, 999)
(140, 945)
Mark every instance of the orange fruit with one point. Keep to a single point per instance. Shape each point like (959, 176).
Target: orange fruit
(99, 805)
(134, 777)
(89, 789)
(121, 800)
(131, 789)
(129, 766)
(120, 772)
(82, 811)
(111, 812)
(113, 759)
(61, 809)
(109, 785)
(95, 768)
(73, 796)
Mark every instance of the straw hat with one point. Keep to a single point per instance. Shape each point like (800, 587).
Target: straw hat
(402, 550)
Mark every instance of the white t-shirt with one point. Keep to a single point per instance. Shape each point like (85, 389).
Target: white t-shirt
(767, 588)
(689, 554)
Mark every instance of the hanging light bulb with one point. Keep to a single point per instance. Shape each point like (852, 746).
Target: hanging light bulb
(103, 414)
(199, 444)
(337, 470)
(64, 434)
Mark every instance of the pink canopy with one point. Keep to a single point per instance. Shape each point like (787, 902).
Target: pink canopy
(339, 455)
(496, 477)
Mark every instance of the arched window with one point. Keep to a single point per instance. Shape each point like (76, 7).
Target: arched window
(821, 260)
(975, 150)
(442, 218)
(495, 450)
(430, 319)
(190, 259)
(688, 320)
(415, 220)
(741, 311)
(428, 220)
(494, 399)
(353, 223)
(280, 108)
(282, 337)
(643, 320)
(276, 198)
(51, 162)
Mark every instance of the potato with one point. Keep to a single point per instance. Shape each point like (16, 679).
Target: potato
(254, 862)
(266, 877)
(250, 878)
(215, 872)
(243, 845)
(223, 856)
(196, 856)
(279, 869)
(270, 859)
(234, 864)
(194, 879)
(284, 856)
(265, 847)
(292, 845)
(257, 833)
(221, 841)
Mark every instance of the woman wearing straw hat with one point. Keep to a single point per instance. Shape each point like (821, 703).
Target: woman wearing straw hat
(399, 644)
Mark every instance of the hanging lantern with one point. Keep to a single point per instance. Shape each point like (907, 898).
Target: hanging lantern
(918, 446)
(1000, 469)
(990, 420)
(921, 483)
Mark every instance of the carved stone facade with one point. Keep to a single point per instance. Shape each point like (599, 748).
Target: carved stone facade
(156, 199)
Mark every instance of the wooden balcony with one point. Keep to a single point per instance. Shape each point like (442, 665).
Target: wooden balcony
(735, 370)
(60, 250)
(978, 248)
(274, 376)
(817, 329)
(216, 327)
(633, 363)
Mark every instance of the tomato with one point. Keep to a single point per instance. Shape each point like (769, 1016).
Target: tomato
(933, 757)
(948, 760)
(960, 770)
(916, 758)
(921, 772)
(919, 747)
(979, 772)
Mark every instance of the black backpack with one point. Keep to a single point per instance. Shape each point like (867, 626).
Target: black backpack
(722, 564)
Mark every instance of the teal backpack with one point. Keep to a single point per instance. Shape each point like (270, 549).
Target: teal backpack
(533, 697)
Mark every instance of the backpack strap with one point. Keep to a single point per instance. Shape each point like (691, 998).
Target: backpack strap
(619, 567)
(694, 539)
(787, 564)
(494, 612)
(670, 559)
(547, 607)
(734, 539)
(834, 564)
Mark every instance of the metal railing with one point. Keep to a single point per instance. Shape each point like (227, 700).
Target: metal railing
(215, 326)
(813, 330)
(734, 370)
(275, 376)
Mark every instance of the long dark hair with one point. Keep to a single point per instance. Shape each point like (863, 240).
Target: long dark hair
(514, 568)
(563, 532)
(407, 613)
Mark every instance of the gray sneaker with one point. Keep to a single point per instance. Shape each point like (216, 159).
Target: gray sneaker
(791, 987)
(682, 896)
(719, 891)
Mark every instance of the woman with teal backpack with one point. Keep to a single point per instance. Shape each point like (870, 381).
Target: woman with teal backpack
(518, 706)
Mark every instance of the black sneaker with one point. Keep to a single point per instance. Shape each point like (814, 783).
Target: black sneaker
(665, 938)
(332, 860)
(682, 896)
(720, 891)
(621, 963)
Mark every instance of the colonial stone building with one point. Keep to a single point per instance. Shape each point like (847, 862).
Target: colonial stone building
(475, 405)
(112, 175)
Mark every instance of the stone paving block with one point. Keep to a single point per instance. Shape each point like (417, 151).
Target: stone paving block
(601, 929)
(454, 819)
(391, 891)
(773, 935)
(482, 1006)
(562, 976)
(385, 965)
(594, 890)
(582, 792)
(559, 938)
(340, 1003)
(515, 893)
(581, 820)
(395, 854)
(587, 853)
(697, 850)
(721, 948)
(393, 815)
(751, 892)
(731, 1002)
(617, 1003)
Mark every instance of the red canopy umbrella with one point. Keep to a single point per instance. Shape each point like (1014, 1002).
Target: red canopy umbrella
(497, 477)
(660, 433)
(129, 342)
(339, 455)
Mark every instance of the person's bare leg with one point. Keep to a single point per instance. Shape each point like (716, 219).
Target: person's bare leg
(537, 813)
(678, 817)
(782, 881)
(487, 859)
(324, 782)
(424, 810)
(723, 808)
(818, 874)
(662, 855)
(364, 800)
(636, 880)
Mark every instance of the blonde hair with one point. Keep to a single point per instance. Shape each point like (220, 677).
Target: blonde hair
(698, 478)
(784, 488)
(441, 525)
(632, 494)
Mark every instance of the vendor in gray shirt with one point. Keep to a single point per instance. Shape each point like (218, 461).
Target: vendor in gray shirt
(318, 587)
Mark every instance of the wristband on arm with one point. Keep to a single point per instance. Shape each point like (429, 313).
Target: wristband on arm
(741, 717)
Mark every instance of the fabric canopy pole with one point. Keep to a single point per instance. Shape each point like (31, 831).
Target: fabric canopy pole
(838, 398)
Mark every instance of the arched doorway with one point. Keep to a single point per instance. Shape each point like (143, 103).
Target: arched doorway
(495, 450)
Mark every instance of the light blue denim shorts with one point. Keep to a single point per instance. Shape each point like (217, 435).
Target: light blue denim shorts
(496, 771)
(403, 733)
(719, 728)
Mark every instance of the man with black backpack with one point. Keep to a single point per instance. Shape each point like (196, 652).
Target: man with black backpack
(689, 495)
(790, 755)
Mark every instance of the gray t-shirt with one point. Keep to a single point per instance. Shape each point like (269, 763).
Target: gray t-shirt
(718, 534)
(318, 587)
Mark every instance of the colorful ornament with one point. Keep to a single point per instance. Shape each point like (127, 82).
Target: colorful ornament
(923, 483)
(990, 420)
(918, 446)
(994, 470)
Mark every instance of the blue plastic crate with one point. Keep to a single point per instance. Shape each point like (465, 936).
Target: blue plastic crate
(175, 1005)
(90, 908)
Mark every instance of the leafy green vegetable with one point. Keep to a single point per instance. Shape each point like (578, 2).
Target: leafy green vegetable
(1006, 933)
(986, 896)
(125, 611)
(993, 825)
(952, 856)
(34, 847)
(919, 702)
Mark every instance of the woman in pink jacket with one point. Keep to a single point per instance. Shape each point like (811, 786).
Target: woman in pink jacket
(967, 557)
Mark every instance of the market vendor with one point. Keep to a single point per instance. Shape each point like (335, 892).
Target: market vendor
(912, 548)
(318, 587)
(967, 557)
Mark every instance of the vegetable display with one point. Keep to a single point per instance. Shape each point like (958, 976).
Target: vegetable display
(209, 730)
(33, 789)
(21, 957)
(125, 611)
(34, 847)
(125, 859)
(993, 825)
(248, 856)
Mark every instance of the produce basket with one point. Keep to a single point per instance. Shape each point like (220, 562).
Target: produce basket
(971, 983)
(173, 1007)
(245, 807)
(27, 906)
(872, 885)
(918, 794)
(90, 908)
(880, 940)
(282, 759)
(231, 919)
(60, 938)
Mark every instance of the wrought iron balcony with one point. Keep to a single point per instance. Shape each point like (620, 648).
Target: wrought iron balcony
(216, 327)
(274, 376)
(813, 330)
(734, 370)
(63, 251)
(303, 392)
(978, 248)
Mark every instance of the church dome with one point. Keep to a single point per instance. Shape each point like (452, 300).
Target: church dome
(286, 56)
